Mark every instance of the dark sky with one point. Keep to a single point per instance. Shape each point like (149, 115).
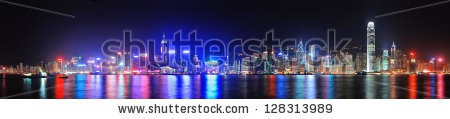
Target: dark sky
(30, 36)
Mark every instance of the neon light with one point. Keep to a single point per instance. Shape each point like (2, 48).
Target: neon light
(136, 56)
(98, 58)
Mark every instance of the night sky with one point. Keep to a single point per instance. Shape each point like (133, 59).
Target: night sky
(31, 36)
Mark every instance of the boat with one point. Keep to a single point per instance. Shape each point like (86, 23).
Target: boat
(30, 75)
(40, 74)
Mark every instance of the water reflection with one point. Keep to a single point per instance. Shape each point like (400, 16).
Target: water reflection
(111, 87)
(281, 87)
(385, 88)
(440, 87)
(328, 87)
(186, 90)
(299, 86)
(311, 87)
(211, 87)
(42, 88)
(27, 84)
(229, 86)
(432, 86)
(392, 87)
(4, 89)
(80, 86)
(59, 88)
(412, 81)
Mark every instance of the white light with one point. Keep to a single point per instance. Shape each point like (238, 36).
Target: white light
(186, 51)
(171, 51)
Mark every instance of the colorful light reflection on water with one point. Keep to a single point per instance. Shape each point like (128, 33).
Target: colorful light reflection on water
(229, 87)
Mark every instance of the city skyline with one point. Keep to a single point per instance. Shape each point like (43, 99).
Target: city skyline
(273, 56)
(83, 35)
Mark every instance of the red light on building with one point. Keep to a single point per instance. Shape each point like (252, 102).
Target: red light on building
(59, 59)
(412, 54)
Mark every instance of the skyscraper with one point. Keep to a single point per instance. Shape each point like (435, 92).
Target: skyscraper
(164, 51)
(301, 57)
(313, 59)
(393, 57)
(385, 60)
(370, 46)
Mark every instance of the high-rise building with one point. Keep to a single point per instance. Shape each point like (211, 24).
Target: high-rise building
(412, 67)
(385, 60)
(312, 58)
(370, 47)
(393, 57)
(348, 64)
(21, 68)
(360, 62)
(301, 57)
(165, 51)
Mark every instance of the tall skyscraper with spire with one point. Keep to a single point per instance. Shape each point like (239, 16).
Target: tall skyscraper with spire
(165, 51)
(301, 55)
(370, 47)
(393, 57)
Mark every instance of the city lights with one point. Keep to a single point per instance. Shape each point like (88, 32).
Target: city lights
(186, 51)
(171, 51)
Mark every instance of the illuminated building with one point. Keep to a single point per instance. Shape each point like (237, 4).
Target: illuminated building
(370, 47)
(360, 62)
(402, 62)
(349, 65)
(385, 60)
(313, 59)
(393, 57)
(412, 67)
(20, 68)
(164, 51)
(301, 58)
(135, 63)
(377, 66)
